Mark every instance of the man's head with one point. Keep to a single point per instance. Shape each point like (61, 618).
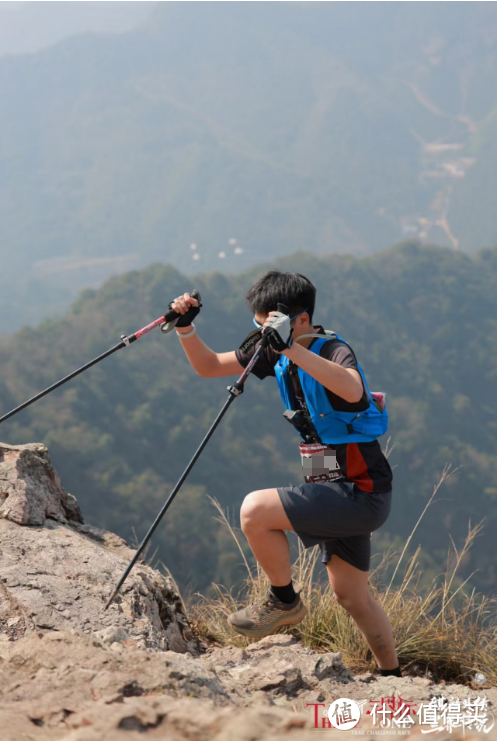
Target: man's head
(292, 289)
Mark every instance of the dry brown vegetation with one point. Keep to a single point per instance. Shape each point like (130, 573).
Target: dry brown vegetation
(444, 629)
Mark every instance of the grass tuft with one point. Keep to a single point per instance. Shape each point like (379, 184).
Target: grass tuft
(442, 631)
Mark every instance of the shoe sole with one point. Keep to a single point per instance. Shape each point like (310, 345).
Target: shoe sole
(294, 619)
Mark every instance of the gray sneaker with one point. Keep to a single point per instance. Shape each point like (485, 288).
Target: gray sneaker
(263, 618)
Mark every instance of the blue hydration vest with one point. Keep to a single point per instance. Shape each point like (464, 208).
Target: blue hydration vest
(331, 426)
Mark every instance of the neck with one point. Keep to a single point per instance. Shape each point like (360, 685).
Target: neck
(306, 342)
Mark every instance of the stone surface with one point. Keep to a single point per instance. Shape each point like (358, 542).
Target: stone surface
(71, 671)
(62, 685)
(58, 573)
(30, 489)
(281, 665)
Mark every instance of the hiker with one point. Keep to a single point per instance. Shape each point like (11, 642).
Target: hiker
(348, 481)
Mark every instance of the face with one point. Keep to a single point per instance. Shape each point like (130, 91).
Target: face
(260, 318)
(300, 324)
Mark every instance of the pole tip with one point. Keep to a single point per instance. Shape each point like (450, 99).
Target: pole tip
(111, 600)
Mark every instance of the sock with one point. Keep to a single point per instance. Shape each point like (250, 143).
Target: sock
(391, 672)
(284, 594)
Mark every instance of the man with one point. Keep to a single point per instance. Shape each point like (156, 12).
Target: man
(348, 481)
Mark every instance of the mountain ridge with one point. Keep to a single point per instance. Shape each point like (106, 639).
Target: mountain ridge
(201, 127)
(122, 433)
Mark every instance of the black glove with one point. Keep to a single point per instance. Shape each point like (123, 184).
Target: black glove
(279, 332)
(173, 319)
(186, 319)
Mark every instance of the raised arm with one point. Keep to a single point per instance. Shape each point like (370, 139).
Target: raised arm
(344, 382)
(203, 360)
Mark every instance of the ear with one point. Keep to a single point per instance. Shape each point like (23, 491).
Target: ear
(304, 319)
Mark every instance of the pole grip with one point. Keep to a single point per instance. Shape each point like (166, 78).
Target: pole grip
(171, 315)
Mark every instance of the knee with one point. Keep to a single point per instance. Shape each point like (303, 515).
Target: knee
(251, 512)
(352, 601)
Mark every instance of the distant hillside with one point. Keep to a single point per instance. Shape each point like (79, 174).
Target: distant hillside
(26, 27)
(422, 323)
(244, 129)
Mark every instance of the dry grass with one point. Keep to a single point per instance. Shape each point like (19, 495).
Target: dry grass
(441, 629)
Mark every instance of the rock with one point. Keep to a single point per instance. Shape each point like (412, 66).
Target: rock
(72, 671)
(274, 641)
(30, 489)
(281, 664)
(165, 718)
(111, 635)
(56, 680)
(58, 573)
(330, 666)
(260, 698)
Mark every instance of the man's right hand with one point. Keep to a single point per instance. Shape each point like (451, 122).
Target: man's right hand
(185, 305)
(204, 361)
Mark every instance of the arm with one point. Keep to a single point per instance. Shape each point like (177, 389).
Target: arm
(345, 382)
(203, 360)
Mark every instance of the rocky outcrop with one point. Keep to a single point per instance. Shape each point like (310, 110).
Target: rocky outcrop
(56, 573)
(71, 671)
(30, 489)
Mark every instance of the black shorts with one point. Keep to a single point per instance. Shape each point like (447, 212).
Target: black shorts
(338, 516)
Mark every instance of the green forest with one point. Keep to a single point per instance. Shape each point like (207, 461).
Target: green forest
(421, 320)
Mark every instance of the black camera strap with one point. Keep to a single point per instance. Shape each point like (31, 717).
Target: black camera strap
(300, 416)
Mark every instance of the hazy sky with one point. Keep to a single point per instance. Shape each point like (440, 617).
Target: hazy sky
(214, 135)
(30, 26)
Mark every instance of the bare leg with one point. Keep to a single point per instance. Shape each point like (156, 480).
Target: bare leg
(263, 521)
(350, 586)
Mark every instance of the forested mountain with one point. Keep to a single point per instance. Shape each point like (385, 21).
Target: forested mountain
(245, 130)
(422, 323)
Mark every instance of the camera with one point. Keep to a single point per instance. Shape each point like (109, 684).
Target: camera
(302, 422)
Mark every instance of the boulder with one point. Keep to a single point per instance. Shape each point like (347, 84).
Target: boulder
(30, 489)
(57, 573)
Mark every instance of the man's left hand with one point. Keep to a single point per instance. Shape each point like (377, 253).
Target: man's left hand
(278, 330)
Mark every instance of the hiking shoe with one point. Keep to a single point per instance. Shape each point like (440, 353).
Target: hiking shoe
(263, 618)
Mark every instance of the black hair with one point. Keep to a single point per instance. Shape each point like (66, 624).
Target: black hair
(292, 289)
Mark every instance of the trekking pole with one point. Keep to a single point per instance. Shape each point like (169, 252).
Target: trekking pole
(235, 390)
(166, 322)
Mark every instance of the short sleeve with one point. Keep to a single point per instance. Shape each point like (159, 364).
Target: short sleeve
(340, 353)
(265, 364)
